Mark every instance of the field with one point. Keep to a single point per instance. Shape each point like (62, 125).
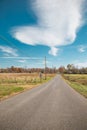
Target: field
(78, 82)
(13, 83)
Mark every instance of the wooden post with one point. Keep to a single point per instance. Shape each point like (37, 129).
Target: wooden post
(45, 68)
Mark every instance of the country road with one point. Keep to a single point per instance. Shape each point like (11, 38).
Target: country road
(51, 106)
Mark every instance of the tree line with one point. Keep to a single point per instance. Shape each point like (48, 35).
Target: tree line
(70, 69)
(14, 69)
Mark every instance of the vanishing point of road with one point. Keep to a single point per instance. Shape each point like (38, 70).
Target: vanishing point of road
(51, 106)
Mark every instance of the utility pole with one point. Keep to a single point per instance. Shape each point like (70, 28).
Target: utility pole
(45, 68)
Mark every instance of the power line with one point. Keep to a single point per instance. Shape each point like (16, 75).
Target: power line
(29, 57)
(7, 41)
(14, 46)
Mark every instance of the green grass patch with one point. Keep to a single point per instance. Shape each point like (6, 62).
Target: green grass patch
(6, 90)
(78, 82)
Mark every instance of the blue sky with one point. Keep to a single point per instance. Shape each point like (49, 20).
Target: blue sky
(33, 29)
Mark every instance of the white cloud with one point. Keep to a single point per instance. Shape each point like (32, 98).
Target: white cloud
(58, 23)
(82, 48)
(53, 51)
(8, 51)
(81, 64)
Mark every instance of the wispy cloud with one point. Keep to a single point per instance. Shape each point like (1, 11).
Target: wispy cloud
(23, 58)
(8, 51)
(21, 61)
(82, 48)
(58, 23)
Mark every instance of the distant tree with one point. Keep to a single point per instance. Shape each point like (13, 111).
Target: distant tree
(70, 67)
(61, 69)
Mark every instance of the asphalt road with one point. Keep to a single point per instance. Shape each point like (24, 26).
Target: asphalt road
(52, 106)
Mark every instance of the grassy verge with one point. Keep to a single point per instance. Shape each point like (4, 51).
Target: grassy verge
(78, 82)
(11, 84)
(6, 90)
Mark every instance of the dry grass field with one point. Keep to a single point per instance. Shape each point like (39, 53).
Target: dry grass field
(13, 83)
(78, 82)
